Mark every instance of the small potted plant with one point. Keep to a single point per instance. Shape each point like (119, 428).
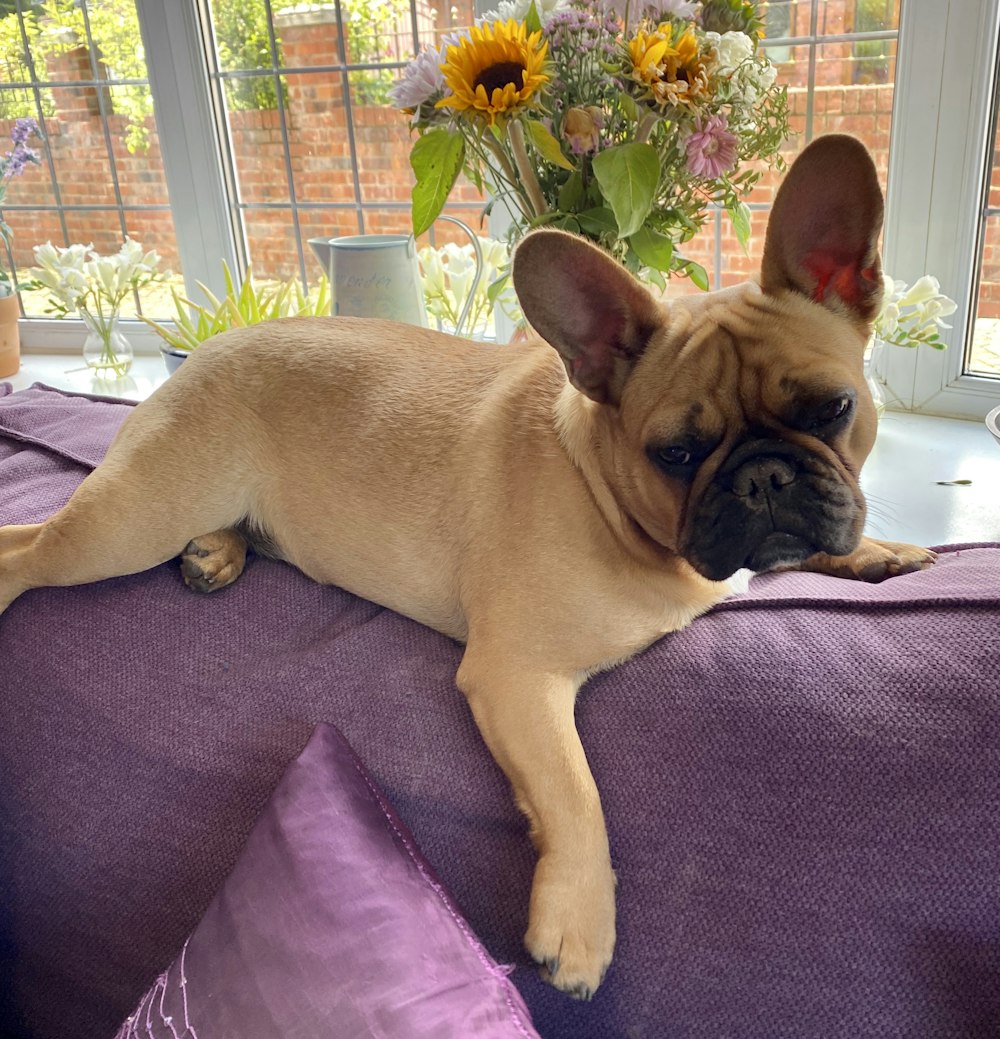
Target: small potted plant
(12, 165)
(248, 305)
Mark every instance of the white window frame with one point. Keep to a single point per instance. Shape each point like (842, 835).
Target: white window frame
(947, 52)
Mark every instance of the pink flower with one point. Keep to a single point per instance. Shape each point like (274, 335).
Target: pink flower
(711, 149)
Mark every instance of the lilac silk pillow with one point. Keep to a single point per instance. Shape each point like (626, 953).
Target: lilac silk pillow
(331, 924)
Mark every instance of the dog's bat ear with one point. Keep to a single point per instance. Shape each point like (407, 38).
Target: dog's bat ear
(587, 306)
(822, 236)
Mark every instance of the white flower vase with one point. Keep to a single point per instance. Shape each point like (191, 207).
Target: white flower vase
(106, 351)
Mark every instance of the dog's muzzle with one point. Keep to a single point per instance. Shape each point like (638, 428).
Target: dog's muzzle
(771, 504)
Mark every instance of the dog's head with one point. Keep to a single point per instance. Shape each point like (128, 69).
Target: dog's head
(730, 427)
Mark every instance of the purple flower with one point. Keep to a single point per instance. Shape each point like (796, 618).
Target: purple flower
(23, 129)
(13, 163)
(711, 149)
(422, 80)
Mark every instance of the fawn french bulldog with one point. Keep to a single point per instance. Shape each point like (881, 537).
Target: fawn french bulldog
(557, 506)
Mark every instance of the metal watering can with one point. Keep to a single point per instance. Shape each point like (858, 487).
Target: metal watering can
(378, 275)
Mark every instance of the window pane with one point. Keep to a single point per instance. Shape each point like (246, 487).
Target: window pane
(100, 139)
(984, 353)
(329, 123)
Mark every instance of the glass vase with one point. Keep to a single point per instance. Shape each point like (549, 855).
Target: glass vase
(873, 355)
(106, 351)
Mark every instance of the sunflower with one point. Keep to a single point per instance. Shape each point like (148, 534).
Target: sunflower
(494, 70)
(672, 71)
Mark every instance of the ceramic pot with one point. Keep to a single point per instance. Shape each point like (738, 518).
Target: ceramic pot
(173, 358)
(10, 337)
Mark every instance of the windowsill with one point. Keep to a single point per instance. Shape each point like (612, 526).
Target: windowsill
(68, 372)
(907, 501)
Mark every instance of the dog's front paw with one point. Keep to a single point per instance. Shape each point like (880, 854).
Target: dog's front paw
(571, 925)
(212, 561)
(872, 561)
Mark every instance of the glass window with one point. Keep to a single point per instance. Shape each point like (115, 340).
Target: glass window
(983, 356)
(79, 71)
(314, 146)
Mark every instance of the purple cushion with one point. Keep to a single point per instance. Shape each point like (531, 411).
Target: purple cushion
(331, 923)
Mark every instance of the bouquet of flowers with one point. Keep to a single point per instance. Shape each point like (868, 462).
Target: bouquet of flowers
(13, 165)
(620, 120)
(912, 315)
(81, 281)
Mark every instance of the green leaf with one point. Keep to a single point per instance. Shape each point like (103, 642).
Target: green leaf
(654, 249)
(598, 221)
(571, 194)
(546, 145)
(739, 214)
(629, 107)
(567, 222)
(629, 175)
(497, 288)
(696, 273)
(436, 159)
(544, 219)
(532, 20)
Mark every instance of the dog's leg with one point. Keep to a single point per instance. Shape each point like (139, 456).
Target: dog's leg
(121, 520)
(871, 561)
(527, 722)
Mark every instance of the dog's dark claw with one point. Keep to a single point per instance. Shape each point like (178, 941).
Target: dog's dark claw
(195, 577)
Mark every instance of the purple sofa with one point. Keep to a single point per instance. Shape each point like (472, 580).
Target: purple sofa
(801, 788)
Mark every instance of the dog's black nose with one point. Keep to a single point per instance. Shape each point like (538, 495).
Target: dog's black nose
(755, 480)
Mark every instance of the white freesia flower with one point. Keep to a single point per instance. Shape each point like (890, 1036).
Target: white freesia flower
(889, 320)
(432, 270)
(80, 279)
(912, 315)
(931, 311)
(923, 289)
(447, 275)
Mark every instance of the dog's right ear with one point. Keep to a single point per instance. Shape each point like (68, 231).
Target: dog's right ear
(586, 305)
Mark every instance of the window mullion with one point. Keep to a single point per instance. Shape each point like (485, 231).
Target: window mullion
(186, 125)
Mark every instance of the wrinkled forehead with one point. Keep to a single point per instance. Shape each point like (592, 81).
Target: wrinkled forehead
(743, 353)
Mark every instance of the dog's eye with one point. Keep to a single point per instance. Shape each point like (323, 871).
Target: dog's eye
(833, 410)
(674, 455)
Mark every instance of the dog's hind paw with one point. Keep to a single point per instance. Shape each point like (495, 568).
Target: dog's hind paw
(213, 561)
(571, 930)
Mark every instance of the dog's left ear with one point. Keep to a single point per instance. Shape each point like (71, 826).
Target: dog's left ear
(586, 305)
(823, 231)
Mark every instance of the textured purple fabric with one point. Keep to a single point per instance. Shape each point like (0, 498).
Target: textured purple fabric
(801, 790)
(331, 923)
